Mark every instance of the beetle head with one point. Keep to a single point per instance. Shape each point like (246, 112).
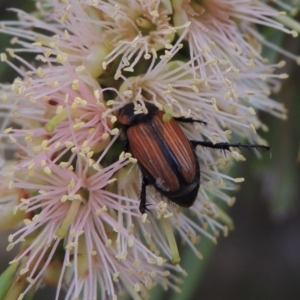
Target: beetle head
(134, 113)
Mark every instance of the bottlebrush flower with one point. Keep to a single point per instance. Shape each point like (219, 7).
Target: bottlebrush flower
(70, 182)
(71, 207)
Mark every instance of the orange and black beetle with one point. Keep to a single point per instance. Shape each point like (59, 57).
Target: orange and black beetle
(166, 157)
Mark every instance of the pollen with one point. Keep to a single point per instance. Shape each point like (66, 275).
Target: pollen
(113, 119)
(75, 84)
(283, 76)
(133, 160)
(239, 180)
(115, 131)
(112, 180)
(10, 247)
(62, 57)
(128, 93)
(3, 57)
(69, 144)
(108, 243)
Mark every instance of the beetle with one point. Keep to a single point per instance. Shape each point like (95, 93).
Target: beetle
(166, 158)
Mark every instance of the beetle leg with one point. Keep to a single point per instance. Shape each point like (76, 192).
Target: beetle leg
(143, 204)
(126, 145)
(227, 146)
(189, 120)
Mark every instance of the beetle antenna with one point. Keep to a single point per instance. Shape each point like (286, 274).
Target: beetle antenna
(226, 146)
(189, 120)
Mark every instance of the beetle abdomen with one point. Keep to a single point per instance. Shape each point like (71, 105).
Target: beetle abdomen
(188, 194)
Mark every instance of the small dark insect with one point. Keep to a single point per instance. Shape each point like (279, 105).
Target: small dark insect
(166, 157)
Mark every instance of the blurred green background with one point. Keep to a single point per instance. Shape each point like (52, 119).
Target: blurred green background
(260, 259)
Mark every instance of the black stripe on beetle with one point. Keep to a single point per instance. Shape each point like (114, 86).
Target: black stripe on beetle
(167, 159)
